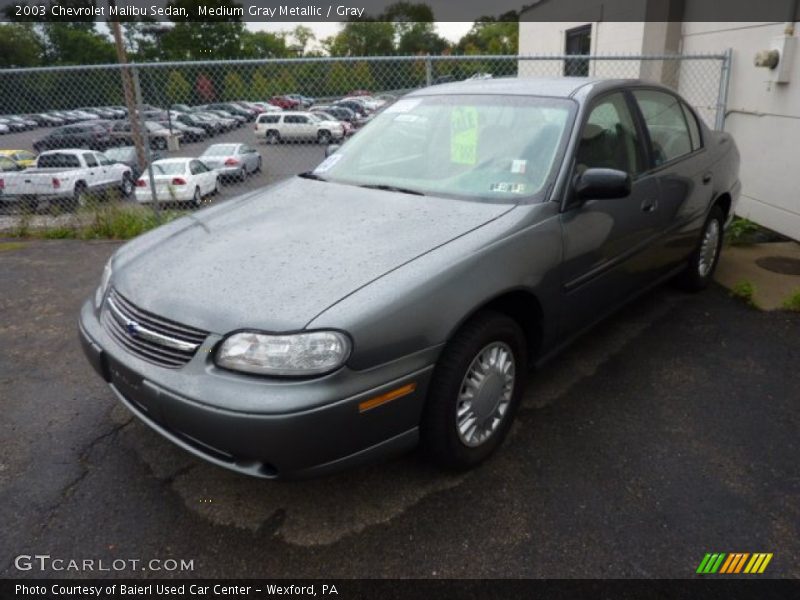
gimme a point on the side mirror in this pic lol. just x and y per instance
(602, 184)
(331, 149)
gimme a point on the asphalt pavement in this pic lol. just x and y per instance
(667, 432)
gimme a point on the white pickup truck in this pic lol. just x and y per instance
(67, 178)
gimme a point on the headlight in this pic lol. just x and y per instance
(295, 354)
(100, 294)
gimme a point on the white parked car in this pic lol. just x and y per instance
(371, 104)
(297, 126)
(178, 180)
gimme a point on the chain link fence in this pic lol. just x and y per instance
(239, 118)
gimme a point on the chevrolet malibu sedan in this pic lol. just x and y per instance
(401, 293)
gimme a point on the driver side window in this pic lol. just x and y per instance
(609, 139)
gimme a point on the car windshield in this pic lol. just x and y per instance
(169, 168)
(220, 150)
(481, 147)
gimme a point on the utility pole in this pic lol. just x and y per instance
(130, 95)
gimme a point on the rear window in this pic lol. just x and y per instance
(59, 161)
(170, 168)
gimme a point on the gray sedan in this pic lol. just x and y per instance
(402, 292)
(232, 161)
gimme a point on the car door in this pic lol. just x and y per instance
(94, 174)
(203, 176)
(111, 175)
(681, 166)
(607, 243)
(249, 156)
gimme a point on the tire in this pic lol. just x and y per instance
(471, 350)
(126, 186)
(258, 165)
(273, 137)
(197, 199)
(242, 174)
(324, 137)
(160, 143)
(703, 262)
(80, 197)
(216, 186)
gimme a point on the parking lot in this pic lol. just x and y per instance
(280, 161)
(668, 432)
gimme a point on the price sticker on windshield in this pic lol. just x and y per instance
(326, 164)
(464, 135)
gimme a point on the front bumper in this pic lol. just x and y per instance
(265, 427)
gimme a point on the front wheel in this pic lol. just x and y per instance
(703, 261)
(324, 137)
(475, 390)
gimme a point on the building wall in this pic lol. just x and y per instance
(763, 118)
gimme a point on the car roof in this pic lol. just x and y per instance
(222, 144)
(554, 87)
(177, 159)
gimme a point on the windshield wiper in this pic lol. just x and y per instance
(312, 175)
(391, 188)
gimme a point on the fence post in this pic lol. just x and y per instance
(145, 140)
(724, 84)
(428, 71)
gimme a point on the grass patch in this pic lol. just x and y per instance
(123, 222)
(8, 246)
(117, 221)
(744, 290)
(792, 302)
(740, 232)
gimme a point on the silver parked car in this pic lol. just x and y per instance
(401, 291)
(232, 161)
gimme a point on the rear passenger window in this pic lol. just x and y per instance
(91, 161)
(669, 133)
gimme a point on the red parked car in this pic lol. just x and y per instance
(284, 102)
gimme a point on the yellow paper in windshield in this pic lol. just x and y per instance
(464, 135)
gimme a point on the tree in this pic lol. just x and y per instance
(259, 87)
(366, 37)
(302, 36)
(20, 46)
(234, 87)
(492, 36)
(178, 89)
(213, 37)
(77, 44)
(263, 44)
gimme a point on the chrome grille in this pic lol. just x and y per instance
(152, 338)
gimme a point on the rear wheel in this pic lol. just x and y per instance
(80, 197)
(197, 199)
(475, 391)
(703, 261)
(324, 137)
(258, 166)
(160, 143)
(273, 137)
(126, 186)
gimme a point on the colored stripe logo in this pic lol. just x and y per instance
(734, 563)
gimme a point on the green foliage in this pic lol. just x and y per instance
(20, 46)
(744, 290)
(740, 231)
(793, 302)
(9, 246)
(263, 44)
(234, 88)
(178, 89)
(259, 87)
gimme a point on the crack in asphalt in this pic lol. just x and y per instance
(83, 459)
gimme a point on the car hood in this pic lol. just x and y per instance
(275, 259)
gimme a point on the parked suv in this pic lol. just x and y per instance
(297, 126)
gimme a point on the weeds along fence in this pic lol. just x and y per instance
(154, 87)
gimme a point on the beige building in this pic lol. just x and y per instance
(762, 104)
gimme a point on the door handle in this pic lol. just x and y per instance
(649, 205)
(706, 178)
